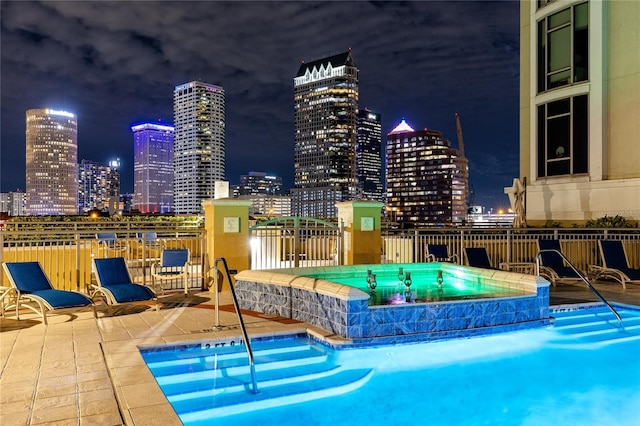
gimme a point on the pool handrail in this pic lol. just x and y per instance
(247, 343)
(586, 281)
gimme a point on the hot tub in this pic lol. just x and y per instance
(468, 301)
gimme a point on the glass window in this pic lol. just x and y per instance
(563, 137)
(563, 48)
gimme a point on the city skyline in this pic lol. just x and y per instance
(115, 67)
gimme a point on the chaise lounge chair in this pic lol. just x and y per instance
(552, 265)
(116, 286)
(440, 253)
(34, 291)
(174, 263)
(477, 257)
(615, 264)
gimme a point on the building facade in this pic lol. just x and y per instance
(199, 144)
(326, 117)
(153, 168)
(98, 186)
(259, 183)
(51, 162)
(579, 110)
(425, 179)
(369, 156)
(13, 203)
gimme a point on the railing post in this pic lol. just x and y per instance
(461, 247)
(416, 247)
(296, 242)
(509, 246)
(76, 237)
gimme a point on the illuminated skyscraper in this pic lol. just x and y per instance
(51, 166)
(199, 147)
(153, 168)
(326, 115)
(259, 183)
(98, 186)
(425, 180)
(369, 158)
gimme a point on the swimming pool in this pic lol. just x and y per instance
(582, 370)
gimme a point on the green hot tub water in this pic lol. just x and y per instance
(391, 288)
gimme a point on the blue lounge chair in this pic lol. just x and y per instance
(115, 284)
(552, 266)
(34, 291)
(440, 253)
(174, 263)
(615, 263)
(477, 257)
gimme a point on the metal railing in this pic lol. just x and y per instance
(580, 245)
(65, 250)
(582, 277)
(245, 336)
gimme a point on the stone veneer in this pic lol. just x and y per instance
(344, 310)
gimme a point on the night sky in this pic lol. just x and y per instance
(116, 64)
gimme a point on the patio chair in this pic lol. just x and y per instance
(115, 285)
(477, 257)
(33, 290)
(552, 265)
(440, 253)
(615, 264)
(174, 263)
(110, 246)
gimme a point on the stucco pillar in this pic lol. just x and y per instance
(226, 221)
(362, 238)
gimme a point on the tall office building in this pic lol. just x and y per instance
(425, 179)
(52, 162)
(153, 168)
(198, 148)
(13, 203)
(259, 183)
(369, 157)
(326, 115)
(98, 186)
(579, 110)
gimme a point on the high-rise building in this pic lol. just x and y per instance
(369, 157)
(13, 203)
(52, 162)
(259, 183)
(425, 180)
(579, 110)
(153, 168)
(98, 185)
(199, 147)
(326, 116)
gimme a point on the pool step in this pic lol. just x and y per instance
(201, 381)
(212, 368)
(236, 402)
(598, 325)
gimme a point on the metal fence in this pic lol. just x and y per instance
(65, 249)
(295, 241)
(579, 245)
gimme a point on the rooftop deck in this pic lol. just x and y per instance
(79, 371)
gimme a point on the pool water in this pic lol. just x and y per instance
(583, 370)
(389, 285)
(425, 288)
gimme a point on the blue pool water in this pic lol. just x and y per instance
(583, 370)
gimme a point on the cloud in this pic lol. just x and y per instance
(117, 62)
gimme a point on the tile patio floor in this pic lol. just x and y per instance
(79, 371)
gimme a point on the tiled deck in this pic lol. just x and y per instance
(78, 371)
